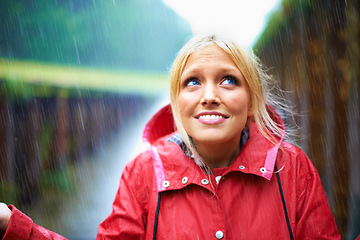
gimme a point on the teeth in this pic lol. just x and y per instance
(211, 117)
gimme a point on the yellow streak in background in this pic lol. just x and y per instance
(86, 78)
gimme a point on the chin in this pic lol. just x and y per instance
(211, 140)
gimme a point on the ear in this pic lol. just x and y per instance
(250, 112)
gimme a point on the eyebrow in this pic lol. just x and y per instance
(221, 70)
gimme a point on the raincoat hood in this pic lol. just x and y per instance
(160, 125)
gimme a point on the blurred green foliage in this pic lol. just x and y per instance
(282, 17)
(8, 192)
(22, 80)
(61, 180)
(134, 34)
(45, 141)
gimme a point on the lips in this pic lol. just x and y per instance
(211, 118)
(211, 115)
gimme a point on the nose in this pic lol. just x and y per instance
(210, 96)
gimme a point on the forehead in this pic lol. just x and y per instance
(209, 53)
(210, 57)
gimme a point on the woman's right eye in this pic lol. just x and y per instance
(191, 82)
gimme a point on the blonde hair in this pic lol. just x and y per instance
(258, 80)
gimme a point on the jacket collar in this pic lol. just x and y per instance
(174, 170)
(176, 138)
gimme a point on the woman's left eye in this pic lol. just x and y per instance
(229, 80)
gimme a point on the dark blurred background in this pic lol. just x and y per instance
(79, 79)
(312, 47)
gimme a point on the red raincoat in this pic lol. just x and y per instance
(241, 201)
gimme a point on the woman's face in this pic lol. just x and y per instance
(214, 98)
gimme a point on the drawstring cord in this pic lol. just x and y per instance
(156, 216)
(283, 203)
(282, 200)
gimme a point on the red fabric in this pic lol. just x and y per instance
(244, 205)
(21, 227)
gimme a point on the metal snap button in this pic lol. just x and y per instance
(263, 170)
(205, 181)
(184, 180)
(219, 234)
(166, 184)
(241, 167)
(217, 179)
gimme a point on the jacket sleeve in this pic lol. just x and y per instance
(128, 217)
(314, 217)
(21, 227)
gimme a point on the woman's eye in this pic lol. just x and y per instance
(191, 82)
(228, 80)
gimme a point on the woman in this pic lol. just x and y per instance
(225, 173)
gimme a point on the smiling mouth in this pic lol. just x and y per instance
(210, 117)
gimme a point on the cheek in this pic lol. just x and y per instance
(186, 111)
(239, 102)
(182, 105)
(186, 102)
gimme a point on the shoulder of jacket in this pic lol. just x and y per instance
(296, 153)
(292, 149)
(300, 161)
(142, 162)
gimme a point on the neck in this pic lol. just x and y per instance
(218, 155)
